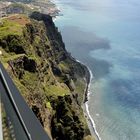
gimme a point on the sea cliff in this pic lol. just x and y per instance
(52, 82)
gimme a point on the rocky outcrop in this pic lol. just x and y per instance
(50, 80)
(65, 123)
(12, 43)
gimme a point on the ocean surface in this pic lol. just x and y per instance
(105, 35)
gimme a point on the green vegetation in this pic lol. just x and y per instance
(51, 82)
(12, 25)
(9, 28)
(57, 90)
(64, 67)
(48, 105)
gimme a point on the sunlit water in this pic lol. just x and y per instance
(105, 35)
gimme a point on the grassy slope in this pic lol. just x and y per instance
(43, 86)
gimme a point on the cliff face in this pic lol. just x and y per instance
(50, 80)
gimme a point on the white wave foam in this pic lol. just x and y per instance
(97, 115)
(86, 104)
(56, 18)
(92, 121)
(87, 107)
(91, 78)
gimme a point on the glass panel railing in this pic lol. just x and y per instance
(17, 121)
(11, 126)
(1, 123)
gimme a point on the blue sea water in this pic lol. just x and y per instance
(105, 35)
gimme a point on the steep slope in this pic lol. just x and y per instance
(50, 80)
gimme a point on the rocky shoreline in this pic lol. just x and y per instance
(88, 78)
(90, 121)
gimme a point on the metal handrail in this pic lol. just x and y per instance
(14, 105)
(1, 130)
(29, 126)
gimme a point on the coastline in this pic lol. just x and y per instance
(85, 107)
(90, 121)
(88, 79)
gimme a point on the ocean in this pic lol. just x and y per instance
(105, 35)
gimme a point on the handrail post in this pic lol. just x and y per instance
(1, 130)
